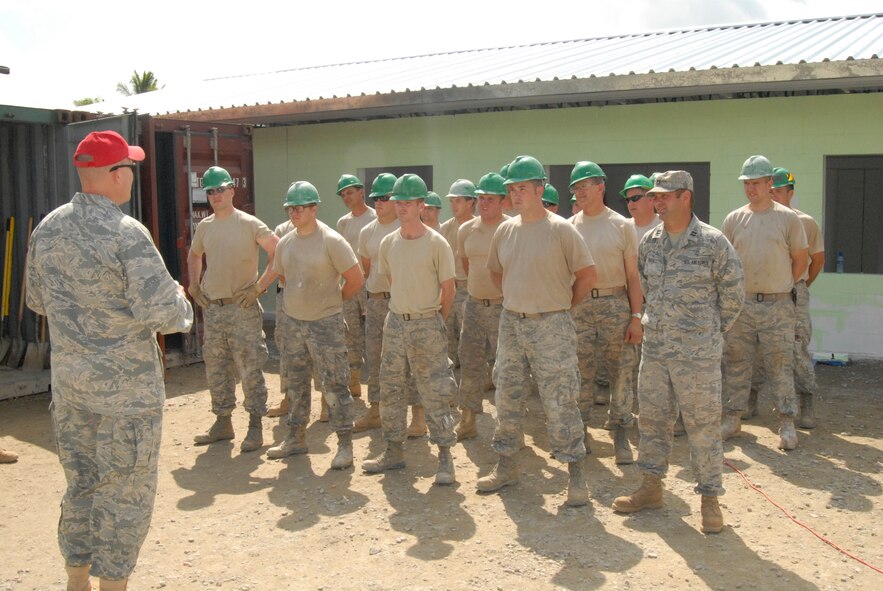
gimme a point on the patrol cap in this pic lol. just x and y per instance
(671, 181)
(103, 148)
(756, 167)
(782, 177)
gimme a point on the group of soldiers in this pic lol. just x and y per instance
(513, 294)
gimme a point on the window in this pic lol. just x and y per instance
(854, 213)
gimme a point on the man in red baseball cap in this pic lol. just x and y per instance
(95, 273)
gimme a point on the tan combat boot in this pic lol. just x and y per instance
(418, 427)
(355, 382)
(622, 449)
(293, 444)
(648, 496)
(445, 474)
(281, 410)
(112, 584)
(751, 411)
(344, 457)
(254, 438)
(807, 419)
(369, 420)
(78, 578)
(577, 489)
(324, 412)
(787, 434)
(712, 518)
(730, 425)
(506, 472)
(221, 430)
(392, 458)
(467, 429)
(8, 457)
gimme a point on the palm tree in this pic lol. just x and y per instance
(138, 83)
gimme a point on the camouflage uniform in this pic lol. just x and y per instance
(804, 372)
(375, 321)
(454, 321)
(355, 308)
(96, 275)
(694, 293)
(478, 342)
(280, 231)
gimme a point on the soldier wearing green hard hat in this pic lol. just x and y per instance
(431, 211)
(461, 197)
(420, 265)
(550, 198)
(644, 217)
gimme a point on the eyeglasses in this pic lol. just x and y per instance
(131, 166)
(218, 191)
(381, 198)
(300, 208)
(548, 204)
(635, 198)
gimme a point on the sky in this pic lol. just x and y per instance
(59, 51)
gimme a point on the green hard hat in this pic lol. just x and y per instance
(462, 188)
(408, 188)
(348, 180)
(756, 167)
(301, 193)
(782, 177)
(550, 194)
(585, 170)
(637, 181)
(383, 184)
(216, 177)
(504, 171)
(432, 200)
(524, 168)
(491, 184)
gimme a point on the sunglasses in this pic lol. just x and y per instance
(130, 166)
(548, 204)
(635, 198)
(218, 191)
(300, 208)
(381, 198)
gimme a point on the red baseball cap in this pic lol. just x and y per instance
(103, 148)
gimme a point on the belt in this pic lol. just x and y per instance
(417, 316)
(767, 297)
(222, 302)
(603, 293)
(487, 303)
(383, 295)
(460, 282)
(534, 315)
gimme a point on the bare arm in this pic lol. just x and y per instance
(799, 261)
(634, 333)
(584, 281)
(268, 243)
(352, 282)
(497, 278)
(194, 267)
(366, 266)
(465, 264)
(448, 290)
(816, 262)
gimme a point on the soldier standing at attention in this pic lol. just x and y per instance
(352, 191)
(419, 265)
(282, 409)
(228, 293)
(543, 268)
(96, 275)
(771, 244)
(693, 283)
(431, 210)
(550, 198)
(461, 196)
(311, 260)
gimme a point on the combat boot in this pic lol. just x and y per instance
(712, 518)
(324, 412)
(587, 440)
(392, 458)
(577, 489)
(279, 411)
(787, 434)
(417, 428)
(467, 429)
(504, 473)
(293, 444)
(8, 457)
(807, 419)
(622, 450)
(254, 439)
(752, 406)
(445, 473)
(355, 382)
(221, 430)
(344, 457)
(648, 496)
(730, 425)
(78, 578)
(112, 584)
(369, 420)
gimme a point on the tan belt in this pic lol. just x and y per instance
(382, 295)
(460, 283)
(222, 302)
(534, 315)
(767, 297)
(603, 293)
(487, 303)
(417, 316)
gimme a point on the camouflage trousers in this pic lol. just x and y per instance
(235, 346)
(763, 331)
(110, 464)
(804, 372)
(281, 319)
(693, 388)
(546, 347)
(318, 345)
(454, 324)
(374, 323)
(354, 310)
(600, 329)
(420, 344)
(478, 342)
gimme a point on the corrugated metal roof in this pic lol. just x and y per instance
(766, 44)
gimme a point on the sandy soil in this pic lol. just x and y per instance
(232, 521)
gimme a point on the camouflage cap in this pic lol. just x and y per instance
(671, 181)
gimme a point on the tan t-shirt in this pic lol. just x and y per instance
(231, 252)
(537, 260)
(474, 242)
(449, 230)
(417, 267)
(641, 231)
(280, 231)
(611, 240)
(813, 237)
(350, 226)
(369, 247)
(312, 266)
(764, 241)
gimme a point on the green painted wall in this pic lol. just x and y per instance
(796, 132)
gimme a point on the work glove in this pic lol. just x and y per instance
(247, 296)
(196, 293)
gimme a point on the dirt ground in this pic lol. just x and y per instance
(231, 521)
